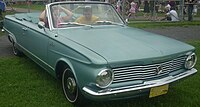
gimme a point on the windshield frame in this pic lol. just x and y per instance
(49, 15)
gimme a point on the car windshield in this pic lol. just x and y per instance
(72, 14)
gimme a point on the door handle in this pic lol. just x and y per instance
(25, 29)
(51, 44)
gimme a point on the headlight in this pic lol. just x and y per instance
(191, 61)
(104, 78)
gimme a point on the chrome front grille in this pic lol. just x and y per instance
(125, 74)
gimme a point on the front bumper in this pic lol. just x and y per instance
(134, 90)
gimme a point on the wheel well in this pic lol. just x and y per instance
(11, 38)
(60, 68)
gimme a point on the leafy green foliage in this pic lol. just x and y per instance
(31, 6)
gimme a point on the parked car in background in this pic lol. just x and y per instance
(101, 59)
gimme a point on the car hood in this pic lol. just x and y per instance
(117, 44)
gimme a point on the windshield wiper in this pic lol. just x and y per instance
(107, 23)
(74, 24)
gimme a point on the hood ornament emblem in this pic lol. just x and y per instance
(159, 69)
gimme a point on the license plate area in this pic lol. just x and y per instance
(157, 91)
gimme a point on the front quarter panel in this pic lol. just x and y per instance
(84, 63)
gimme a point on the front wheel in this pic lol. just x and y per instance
(70, 87)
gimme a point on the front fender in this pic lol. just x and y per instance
(68, 63)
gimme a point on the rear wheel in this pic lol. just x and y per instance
(9, 38)
(16, 51)
(70, 88)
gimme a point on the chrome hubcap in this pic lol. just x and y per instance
(71, 85)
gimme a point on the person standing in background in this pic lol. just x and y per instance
(190, 4)
(132, 10)
(146, 8)
(118, 6)
(153, 9)
(2, 8)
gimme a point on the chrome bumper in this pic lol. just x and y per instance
(145, 85)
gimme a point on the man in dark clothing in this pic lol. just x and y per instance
(190, 4)
(2, 7)
(172, 3)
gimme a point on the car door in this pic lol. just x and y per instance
(35, 42)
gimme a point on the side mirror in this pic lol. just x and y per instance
(41, 24)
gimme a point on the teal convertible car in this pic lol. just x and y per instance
(96, 55)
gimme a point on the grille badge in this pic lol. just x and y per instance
(159, 69)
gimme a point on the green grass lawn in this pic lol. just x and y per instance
(23, 83)
(163, 24)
